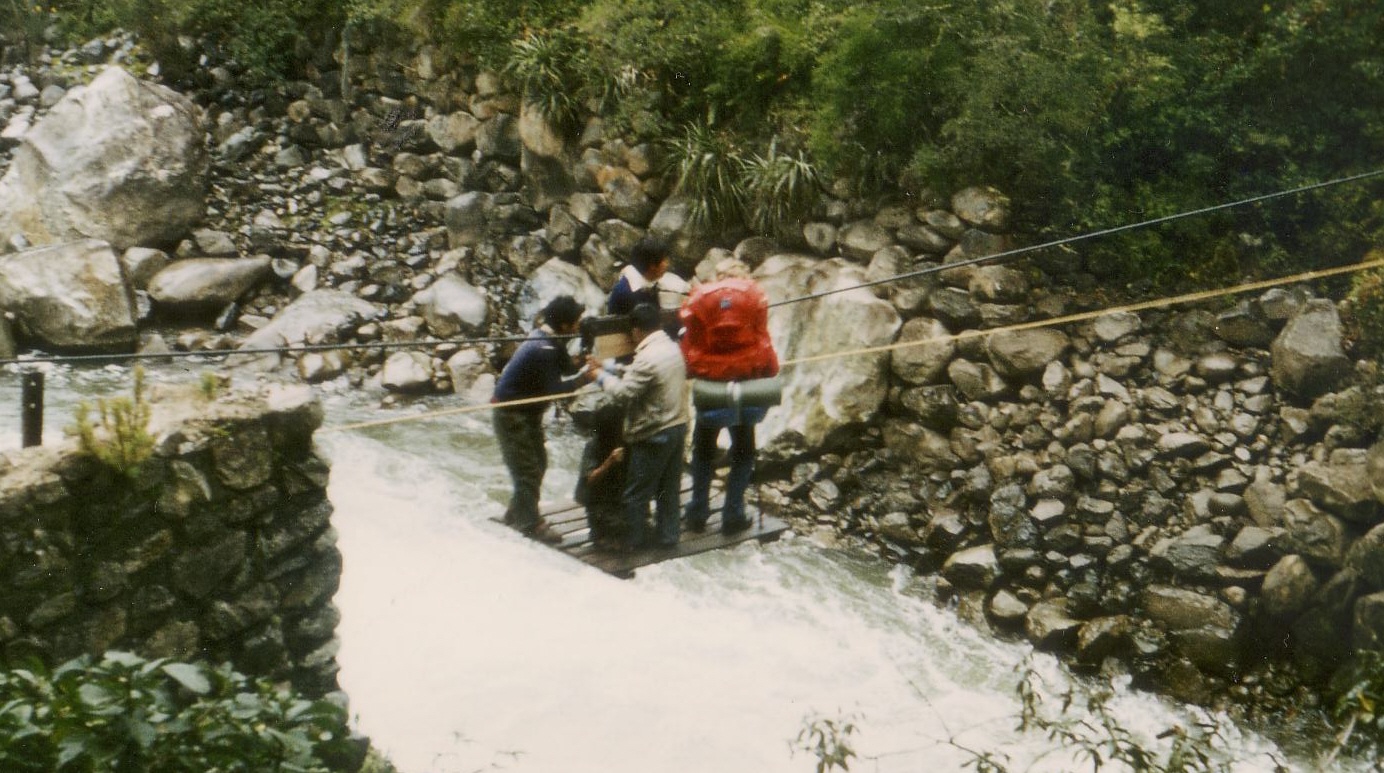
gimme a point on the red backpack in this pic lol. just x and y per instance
(726, 335)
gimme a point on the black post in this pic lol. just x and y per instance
(31, 395)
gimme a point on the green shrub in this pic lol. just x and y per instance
(708, 171)
(780, 191)
(1365, 322)
(123, 712)
(550, 67)
(121, 439)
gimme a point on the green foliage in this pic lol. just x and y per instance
(212, 385)
(829, 740)
(551, 69)
(121, 439)
(780, 191)
(706, 166)
(1365, 318)
(123, 712)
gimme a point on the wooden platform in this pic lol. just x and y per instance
(569, 520)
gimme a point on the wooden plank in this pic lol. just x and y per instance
(569, 520)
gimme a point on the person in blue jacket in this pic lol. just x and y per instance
(638, 282)
(540, 367)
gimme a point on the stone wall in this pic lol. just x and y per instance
(220, 548)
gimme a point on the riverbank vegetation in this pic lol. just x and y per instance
(1089, 115)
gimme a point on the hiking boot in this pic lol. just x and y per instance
(545, 534)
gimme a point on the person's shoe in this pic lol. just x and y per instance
(735, 527)
(694, 525)
(545, 534)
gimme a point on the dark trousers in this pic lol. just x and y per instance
(520, 435)
(655, 473)
(742, 455)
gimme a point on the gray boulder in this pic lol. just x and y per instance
(1374, 468)
(1050, 626)
(1369, 622)
(983, 207)
(319, 316)
(119, 159)
(922, 363)
(453, 306)
(1342, 486)
(1025, 353)
(1308, 359)
(926, 448)
(822, 396)
(558, 277)
(1315, 535)
(1194, 554)
(207, 284)
(141, 264)
(860, 240)
(407, 372)
(69, 296)
(973, 568)
(1288, 587)
(1203, 629)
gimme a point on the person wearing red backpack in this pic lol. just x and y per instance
(726, 338)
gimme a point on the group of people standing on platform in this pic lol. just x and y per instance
(638, 429)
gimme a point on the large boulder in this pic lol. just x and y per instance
(319, 316)
(451, 305)
(1202, 628)
(1308, 359)
(820, 397)
(207, 284)
(983, 207)
(69, 296)
(119, 159)
(558, 277)
(1341, 486)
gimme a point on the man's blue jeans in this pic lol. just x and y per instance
(742, 454)
(655, 474)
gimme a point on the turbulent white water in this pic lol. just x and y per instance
(466, 647)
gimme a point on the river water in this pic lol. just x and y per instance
(468, 648)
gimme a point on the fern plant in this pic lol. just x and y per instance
(120, 437)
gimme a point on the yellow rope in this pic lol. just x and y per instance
(1158, 303)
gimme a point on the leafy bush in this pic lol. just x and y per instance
(121, 440)
(707, 169)
(780, 191)
(1365, 319)
(550, 67)
(829, 740)
(123, 712)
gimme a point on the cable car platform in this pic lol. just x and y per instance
(569, 520)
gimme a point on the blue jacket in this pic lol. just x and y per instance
(541, 366)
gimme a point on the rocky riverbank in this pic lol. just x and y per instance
(1193, 493)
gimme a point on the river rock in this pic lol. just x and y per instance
(320, 316)
(69, 296)
(1203, 629)
(1288, 587)
(141, 264)
(497, 138)
(1255, 547)
(625, 196)
(1315, 535)
(860, 240)
(1374, 468)
(822, 397)
(558, 277)
(820, 237)
(315, 367)
(922, 363)
(1193, 554)
(1308, 360)
(998, 284)
(1025, 353)
(453, 132)
(1050, 626)
(452, 306)
(1102, 637)
(1244, 328)
(934, 406)
(407, 372)
(465, 217)
(973, 568)
(207, 284)
(983, 207)
(928, 449)
(1182, 445)
(976, 380)
(119, 159)
(1342, 486)
(1265, 499)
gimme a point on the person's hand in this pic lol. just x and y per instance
(617, 456)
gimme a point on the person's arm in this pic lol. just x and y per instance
(638, 378)
(616, 456)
